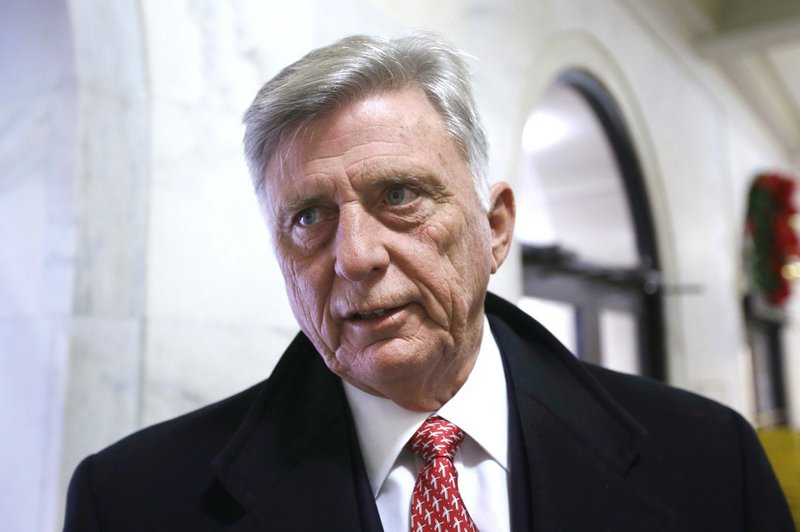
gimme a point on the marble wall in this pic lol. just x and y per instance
(143, 284)
(104, 377)
(38, 141)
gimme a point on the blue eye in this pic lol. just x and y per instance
(308, 217)
(396, 195)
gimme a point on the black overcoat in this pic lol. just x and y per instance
(590, 450)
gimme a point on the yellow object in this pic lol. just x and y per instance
(783, 449)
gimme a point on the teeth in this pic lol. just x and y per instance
(369, 315)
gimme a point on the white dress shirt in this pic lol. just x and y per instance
(479, 408)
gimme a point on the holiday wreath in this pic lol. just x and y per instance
(774, 244)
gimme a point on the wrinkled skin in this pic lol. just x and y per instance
(384, 247)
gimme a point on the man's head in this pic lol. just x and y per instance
(366, 162)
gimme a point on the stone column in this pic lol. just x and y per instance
(103, 384)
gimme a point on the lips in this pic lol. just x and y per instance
(372, 315)
(369, 315)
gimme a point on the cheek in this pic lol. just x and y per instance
(309, 295)
(305, 290)
(457, 268)
(465, 241)
(468, 252)
(439, 236)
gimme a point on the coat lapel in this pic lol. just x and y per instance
(294, 464)
(579, 447)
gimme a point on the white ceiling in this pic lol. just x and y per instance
(756, 43)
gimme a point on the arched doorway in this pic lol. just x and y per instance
(590, 259)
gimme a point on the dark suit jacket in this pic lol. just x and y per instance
(590, 450)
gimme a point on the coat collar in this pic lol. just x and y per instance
(580, 447)
(294, 463)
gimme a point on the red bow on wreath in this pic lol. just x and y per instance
(770, 214)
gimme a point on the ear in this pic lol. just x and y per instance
(501, 215)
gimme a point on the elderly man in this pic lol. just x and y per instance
(412, 399)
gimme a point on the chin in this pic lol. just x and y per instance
(395, 362)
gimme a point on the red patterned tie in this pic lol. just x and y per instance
(436, 504)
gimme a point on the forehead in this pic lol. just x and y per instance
(386, 128)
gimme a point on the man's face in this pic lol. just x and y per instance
(384, 247)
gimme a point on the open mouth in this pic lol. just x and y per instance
(374, 314)
(370, 315)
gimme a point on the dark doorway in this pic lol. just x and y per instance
(590, 259)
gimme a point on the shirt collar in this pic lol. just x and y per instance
(479, 408)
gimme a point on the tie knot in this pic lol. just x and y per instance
(436, 438)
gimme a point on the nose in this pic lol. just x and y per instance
(359, 246)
